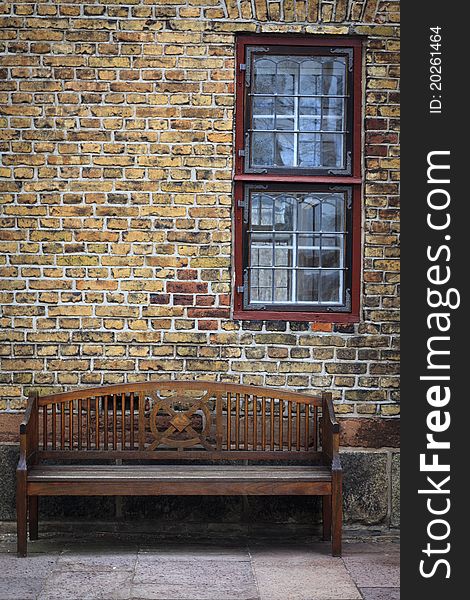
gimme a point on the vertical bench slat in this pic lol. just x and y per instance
(307, 418)
(97, 423)
(271, 436)
(255, 422)
(62, 425)
(123, 421)
(54, 426)
(88, 424)
(297, 425)
(131, 411)
(105, 422)
(237, 421)
(263, 423)
(71, 424)
(315, 428)
(79, 424)
(289, 425)
(247, 406)
(141, 421)
(114, 422)
(229, 421)
(44, 428)
(218, 421)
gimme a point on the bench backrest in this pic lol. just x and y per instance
(179, 420)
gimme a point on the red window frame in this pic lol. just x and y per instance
(241, 178)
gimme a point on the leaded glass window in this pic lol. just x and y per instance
(297, 248)
(298, 112)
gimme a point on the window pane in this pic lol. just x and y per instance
(302, 95)
(261, 251)
(284, 150)
(297, 247)
(282, 285)
(330, 286)
(307, 286)
(261, 285)
(263, 113)
(263, 149)
(284, 213)
(264, 75)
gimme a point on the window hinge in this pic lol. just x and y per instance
(240, 289)
(242, 66)
(241, 152)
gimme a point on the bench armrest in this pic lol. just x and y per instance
(330, 433)
(29, 433)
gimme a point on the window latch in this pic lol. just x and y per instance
(241, 152)
(240, 289)
(241, 204)
(242, 66)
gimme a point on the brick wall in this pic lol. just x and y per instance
(116, 230)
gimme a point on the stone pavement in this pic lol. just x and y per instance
(115, 568)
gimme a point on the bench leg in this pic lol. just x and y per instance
(326, 504)
(33, 517)
(337, 512)
(21, 514)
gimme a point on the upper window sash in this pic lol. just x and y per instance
(298, 110)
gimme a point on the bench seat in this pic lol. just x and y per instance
(189, 479)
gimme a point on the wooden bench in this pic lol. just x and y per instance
(275, 442)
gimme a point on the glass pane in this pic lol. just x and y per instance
(309, 257)
(332, 114)
(332, 150)
(330, 258)
(331, 286)
(261, 251)
(266, 218)
(307, 285)
(309, 150)
(285, 113)
(284, 149)
(333, 213)
(335, 241)
(284, 213)
(309, 214)
(263, 149)
(264, 75)
(263, 112)
(310, 76)
(310, 112)
(287, 76)
(334, 76)
(282, 285)
(261, 285)
(283, 251)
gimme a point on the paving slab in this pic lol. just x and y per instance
(313, 578)
(159, 578)
(20, 588)
(374, 569)
(87, 585)
(380, 593)
(37, 565)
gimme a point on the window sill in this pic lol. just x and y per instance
(311, 317)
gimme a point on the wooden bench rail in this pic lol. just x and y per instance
(184, 421)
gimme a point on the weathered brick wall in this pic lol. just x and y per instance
(116, 230)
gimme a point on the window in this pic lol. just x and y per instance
(297, 179)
